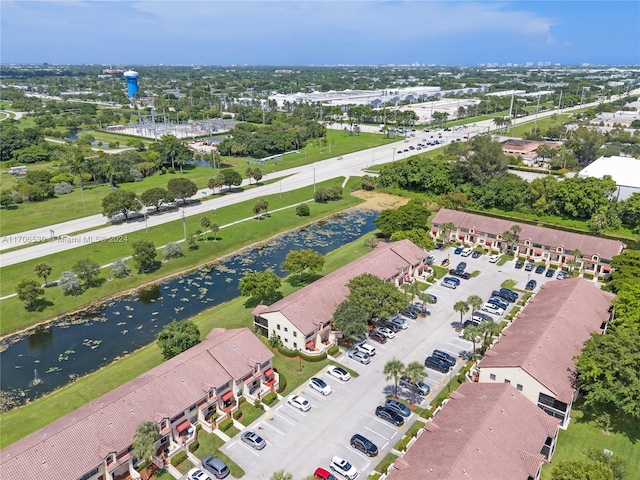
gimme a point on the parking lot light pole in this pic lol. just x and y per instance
(144, 212)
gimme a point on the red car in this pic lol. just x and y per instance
(322, 474)
(378, 337)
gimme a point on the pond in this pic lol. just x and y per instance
(58, 353)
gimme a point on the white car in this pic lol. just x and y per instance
(387, 332)
(493, 309)
(494, 258)
(339, 372)
(320, 385)
(299, 402)
(197, 474)
(359, 356)
(344, 468)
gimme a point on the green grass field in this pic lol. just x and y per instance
(233, 314)
(16, 317)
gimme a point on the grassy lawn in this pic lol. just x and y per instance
(210, 445)
(583, 434)
(386, 462)
(185, 466)
(503, 259)
(475, 273)
(508, 284)
(16, 317)
(439, 271)
(249, 413)
(233, 314)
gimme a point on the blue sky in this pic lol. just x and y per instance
(319, 32)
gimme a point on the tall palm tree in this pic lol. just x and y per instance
(43, 270)
(281, 475)
(473, 333)
(475, 302)
(489, 330)
(214, 229)
(205, 223)
(415, 371)
(393, 369)
(446, 228)
(462, 307)
(144, 445)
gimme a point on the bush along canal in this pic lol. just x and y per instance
(53, 355)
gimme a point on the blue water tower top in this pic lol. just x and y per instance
(131, 74)
(132, 83)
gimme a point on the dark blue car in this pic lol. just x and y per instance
(458, 250)
(531, 285)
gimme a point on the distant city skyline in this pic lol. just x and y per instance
(320, 33)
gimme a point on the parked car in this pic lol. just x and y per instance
(460, 273)
(215, 466)
(466, 252)
(561, 275)
(499, 302)
(253, 440)
(363, 444)
(322, 474)
(461, 266)
(445, 263)
(339, 158)
(494, 258)
(398, 407)
(339, 372)
(550, 273)
(508, 294)
(432, 298)
(446, 282)
(344, 468)
(320, 385)
(407, 312)
(390, 416)
(452, 280)
(419, 386)
(491, 308)
(531, 285)
(519, 264)
(458, 250)
(444, 356)
(540, 269)
(481, 317)
(359, 356)
(366, 348)
(299, 402)
(197, 474)
(430, 259)
(476, 254)
(386, 331)
(436, 364)
(529, 267)
(378, 337)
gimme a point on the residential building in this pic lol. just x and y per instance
(535, 243)
(95, 441)
(525, 149)
(303, 319)
(484, 431)
(625, 171)
(536, 352)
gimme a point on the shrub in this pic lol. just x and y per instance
(302, 210)
(226, 424)
(69, 283)
(172, 250)
(313, 358)
(282, 385)
(120, 269)
(62, 188)
(63, 177)
(178, 458)
(271, 397)
(368, 182)
(198, 427)
(237, 414)
(333, 350)
(402, 444)
(587, 275)
(287, 352)
(194, 446)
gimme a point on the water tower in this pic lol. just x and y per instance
(132, 83)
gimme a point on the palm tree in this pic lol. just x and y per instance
(498, 122)
(415, 371)
(281, 475)
(475, 302)
(205, 223)
(446, 228)
(257, 208)
(473, 333)
(144, 445)
(393, 369)
(462, 307)
(577, 259)
(214, 229)
(411, 289)
(249, 173)
(43, 270)
(489, 330)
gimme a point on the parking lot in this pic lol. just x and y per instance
(299, 442)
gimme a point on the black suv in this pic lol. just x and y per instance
(519, 264)
(460, 273)
(444, 356)
(436, 364)
(363, 444)
(391, 416)
(509, 294)
(461, 266)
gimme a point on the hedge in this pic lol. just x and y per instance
(333, 350)
(194, 446)
(402, 444)
(313, 358)
(225, 424)
(178, 458)
(287, 352)
(237, 414)
(271, 397)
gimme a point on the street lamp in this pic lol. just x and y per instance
(144, 212)
(394, 154)
(314, 180)
(184, 225)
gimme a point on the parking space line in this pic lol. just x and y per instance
(379, 434)
(291, 407)
(353, 450)
(250, 449)
(276, 429)
(283, 418)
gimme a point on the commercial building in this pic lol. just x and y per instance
(625, 171)
(484, 431)
(536, 352)
(535, 243)
(525, 149)
(303, 319)
(95, 441)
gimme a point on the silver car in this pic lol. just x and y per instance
(359, 356)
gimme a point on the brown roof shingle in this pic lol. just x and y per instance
(550, 331)
(569, 241)
(316, 303)
(489, 431)
(78, 442)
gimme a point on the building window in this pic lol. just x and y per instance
(286, 329)
(492, 377)
(295, 345)
(519, 387)
(295, 334)
(506, 380)
(286, 340)
(278, 326)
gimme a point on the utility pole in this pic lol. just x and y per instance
(510, 110)
(184, 224)
(394, 154)
(560, 103)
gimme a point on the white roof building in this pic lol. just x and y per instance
(624, 170)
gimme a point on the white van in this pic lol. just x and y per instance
(366, 348)
(466, 252)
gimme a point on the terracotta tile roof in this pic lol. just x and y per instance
(587, 244)
(79, 441)
(550, 331)
(238, 351)
(316, 303)
(490, 431)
